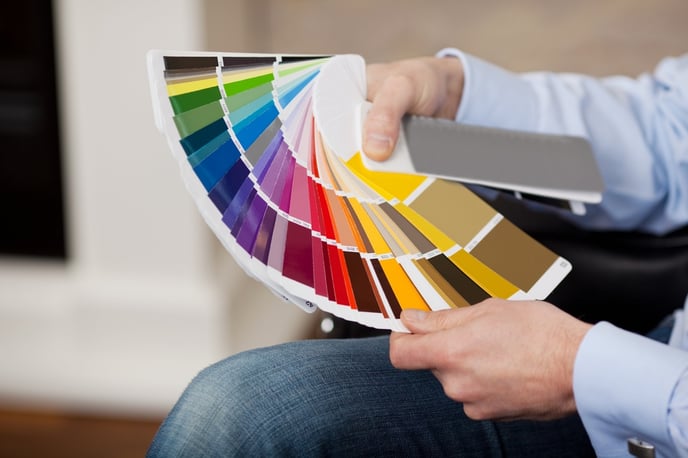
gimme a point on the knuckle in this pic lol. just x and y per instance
(440, 320)
(399, 82)
(455, 387)
(395, 354)
(453, 391)
(445, 319)
(475, 411)
(401, 78)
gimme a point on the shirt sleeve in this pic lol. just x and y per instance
(638, 130)
(626, 385)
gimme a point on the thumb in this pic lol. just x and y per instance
(380, 133)
(391, 99)
(422, 322)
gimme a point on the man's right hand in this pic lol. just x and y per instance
(425, 86)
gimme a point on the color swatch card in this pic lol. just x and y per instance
(269, 148)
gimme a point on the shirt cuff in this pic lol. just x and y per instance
(623, 384)
(494, 97)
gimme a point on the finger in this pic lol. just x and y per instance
(413, 351)
(421, 322)
(392, 98)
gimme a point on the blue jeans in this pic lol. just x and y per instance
(341, 398)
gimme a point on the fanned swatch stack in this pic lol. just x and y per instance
(269, 148)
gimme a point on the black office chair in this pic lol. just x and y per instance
(630, 279)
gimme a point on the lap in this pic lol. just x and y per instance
(341, 397)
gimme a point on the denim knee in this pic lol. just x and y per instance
(216, 415)
(253, 403)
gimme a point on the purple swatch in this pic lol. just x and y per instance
(261, 246)
(246, 236)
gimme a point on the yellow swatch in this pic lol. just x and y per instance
(388, 184)
(406, 293)
(191, 86)
(486, 278)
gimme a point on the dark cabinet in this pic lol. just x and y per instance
(31, 174)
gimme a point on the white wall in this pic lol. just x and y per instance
(145, 299)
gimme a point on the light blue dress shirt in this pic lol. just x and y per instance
(625, 385)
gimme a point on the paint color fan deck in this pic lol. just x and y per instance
(269, 148)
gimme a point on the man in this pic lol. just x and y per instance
(568, 388)
(639, 129)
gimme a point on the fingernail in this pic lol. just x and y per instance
(377, 145)
(415, 315)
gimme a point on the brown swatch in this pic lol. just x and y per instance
(416, 237)
(515, 255)
(440, 284)
(366, 300)
(462, 218)
(387, 288)
(459, 280)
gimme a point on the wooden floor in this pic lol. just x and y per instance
(56, 435)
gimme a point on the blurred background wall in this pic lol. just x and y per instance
(597, 37)
(145, 296)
